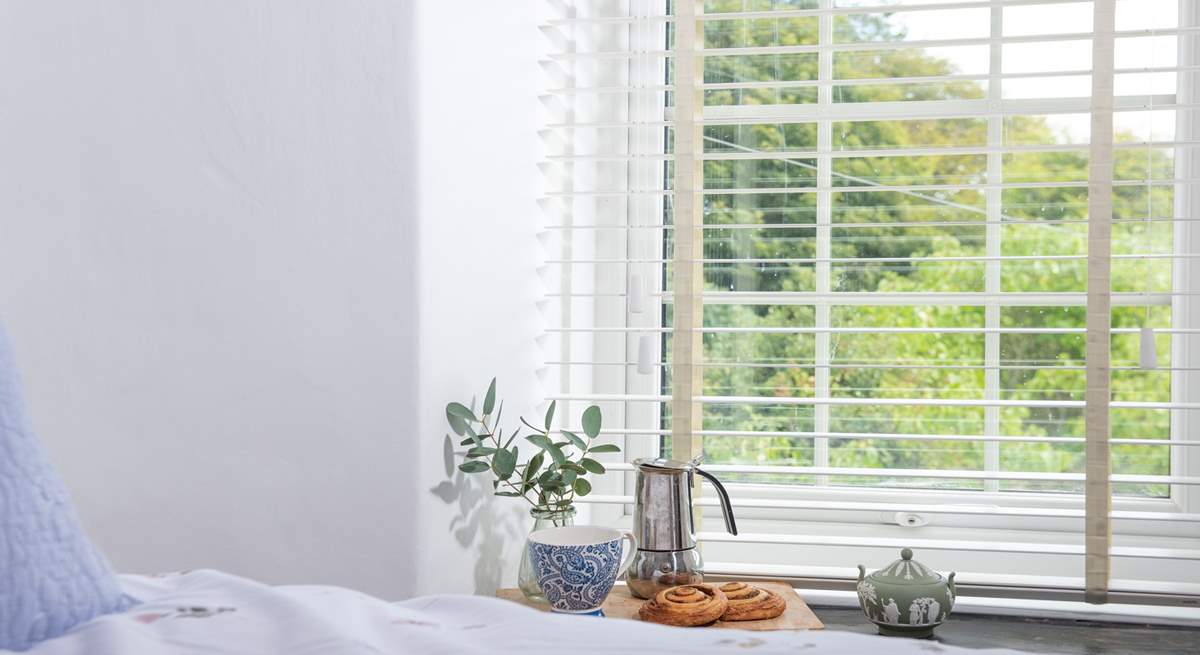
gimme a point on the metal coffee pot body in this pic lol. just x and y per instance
(663, 524)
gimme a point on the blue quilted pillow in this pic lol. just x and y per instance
(51, 577)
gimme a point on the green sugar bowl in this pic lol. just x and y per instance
(905, 599)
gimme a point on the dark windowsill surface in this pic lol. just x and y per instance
(1038, 635)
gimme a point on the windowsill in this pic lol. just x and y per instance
(1006, 558)
(875, 545)
(1045, 609)
(1035, 634)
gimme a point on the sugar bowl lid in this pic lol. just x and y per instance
(906, 571)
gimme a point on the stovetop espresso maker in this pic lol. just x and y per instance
(663, 524)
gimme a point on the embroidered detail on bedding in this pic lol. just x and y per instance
(182, 613)
(167, 574)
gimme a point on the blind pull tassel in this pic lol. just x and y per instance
(1147, 355)
(637, 296)
(645, 346)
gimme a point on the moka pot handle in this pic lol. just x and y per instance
(726, 507)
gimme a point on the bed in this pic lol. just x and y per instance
(59, 596)
(216, 613)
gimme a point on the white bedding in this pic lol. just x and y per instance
(216, 613)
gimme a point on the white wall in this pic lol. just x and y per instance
(478, 150)
(208, 251)
(211, 220)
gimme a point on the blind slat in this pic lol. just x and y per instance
(739, 502)
(860, 46)
(874, 330)
(892, 110)
(916, 151)
(651, 432)
(946, 544)
(864, 81)
(943, 474)
(807, 13)
(1009, 299)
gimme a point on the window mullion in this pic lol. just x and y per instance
(995, 205)
(1185, 310)
(822, 350)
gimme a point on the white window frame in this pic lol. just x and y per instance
(1185, 314)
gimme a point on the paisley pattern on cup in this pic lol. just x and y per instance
(576, 578)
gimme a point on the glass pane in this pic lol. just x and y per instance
(784, 224)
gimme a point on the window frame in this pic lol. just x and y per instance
(1185, 314)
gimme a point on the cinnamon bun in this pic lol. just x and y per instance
(750, 603)
(685, 605)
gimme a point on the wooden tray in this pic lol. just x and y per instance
(622, 605)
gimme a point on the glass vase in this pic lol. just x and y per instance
(542, 519)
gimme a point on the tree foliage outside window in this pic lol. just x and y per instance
(1044, 221)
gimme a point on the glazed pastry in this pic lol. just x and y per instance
(686, 605)
(750, 603)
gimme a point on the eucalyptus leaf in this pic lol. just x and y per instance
(591, 421)
(508, 494)
(573, 467)
(550, 414)
(480, 451)
(582, 487)
(475, 438)
(540, 441)
(533, 465)
(592, 466)
(504, 463)
(461, 410)
(557, 455)
(456, 423)
(474, 466)
(489, 400)
(569, 476)
(575, 440)
(467, 442)
(606, 448)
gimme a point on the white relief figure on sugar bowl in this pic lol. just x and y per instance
(905, 598)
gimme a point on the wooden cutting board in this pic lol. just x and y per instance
(622, 605)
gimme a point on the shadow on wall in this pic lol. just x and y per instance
(478, 525)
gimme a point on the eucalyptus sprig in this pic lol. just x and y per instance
(553, 476)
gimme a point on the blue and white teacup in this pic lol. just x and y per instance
(577, 566)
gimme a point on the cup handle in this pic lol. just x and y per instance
(626, 535)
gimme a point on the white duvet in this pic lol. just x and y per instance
(215, 613)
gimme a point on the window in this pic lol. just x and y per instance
(840, 250)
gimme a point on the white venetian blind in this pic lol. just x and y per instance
(856, 255)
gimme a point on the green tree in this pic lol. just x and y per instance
(1044, 221)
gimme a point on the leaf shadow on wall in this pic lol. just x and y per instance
(480, 525)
